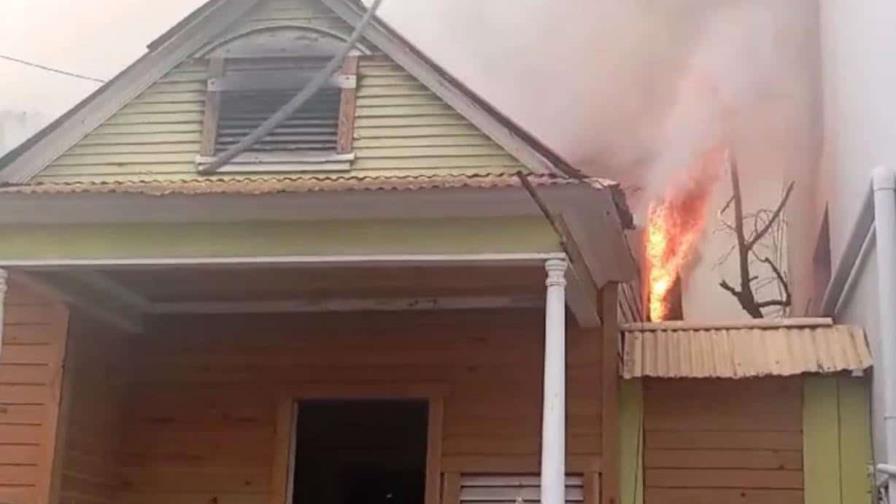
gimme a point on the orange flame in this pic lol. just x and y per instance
(674, 226)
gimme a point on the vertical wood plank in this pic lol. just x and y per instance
(347, 104)
(855, 440)
(53, 435)
(59, 446)
(609, 300)
(451, 488)
(821, 440)
(591, 488)
(284, 447)
(631, 420)
(212, 110)
(434, 429)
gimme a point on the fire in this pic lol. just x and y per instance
(674, 226)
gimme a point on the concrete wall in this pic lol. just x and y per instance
(858, 81)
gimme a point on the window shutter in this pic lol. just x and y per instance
(513, 489)
(312, 128)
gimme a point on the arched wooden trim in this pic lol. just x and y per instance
(274, 26)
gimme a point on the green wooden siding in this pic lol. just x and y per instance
(401, 127)
(631, 438)
(271, 239)
(836, 440)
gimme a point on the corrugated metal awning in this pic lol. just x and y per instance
(741, 350)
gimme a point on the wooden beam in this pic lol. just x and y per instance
(434, 428)
(104, 283)
(212, 109)
(73, 294)
(346, 304)
(610, 449)
(347, 102)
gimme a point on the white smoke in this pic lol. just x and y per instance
(631, 89)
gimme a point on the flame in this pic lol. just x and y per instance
(674, 227)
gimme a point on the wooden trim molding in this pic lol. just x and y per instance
(347, 102)
(609, 334)
(211, 113)
(287, 412)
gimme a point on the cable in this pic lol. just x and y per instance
(298, 100)
(51, 69)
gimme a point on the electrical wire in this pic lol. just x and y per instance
(50, 69)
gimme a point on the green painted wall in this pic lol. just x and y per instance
(631, 438)
(401, 127)
(443, 236)
(836, 440)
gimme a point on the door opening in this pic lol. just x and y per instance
(360, 452)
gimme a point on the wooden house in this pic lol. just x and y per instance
(396, 295)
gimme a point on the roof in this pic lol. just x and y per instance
(305, 184)
(742, 350)
(20, 164)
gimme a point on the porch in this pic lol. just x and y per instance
(184, 382)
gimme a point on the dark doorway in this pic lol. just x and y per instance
(360, 452)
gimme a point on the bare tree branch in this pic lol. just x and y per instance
(763, 221)
(774, 217)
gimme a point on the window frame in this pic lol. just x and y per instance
(282, 161)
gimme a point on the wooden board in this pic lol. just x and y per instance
(30, 386)
(202, 411)
(711, 441)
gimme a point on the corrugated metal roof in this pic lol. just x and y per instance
(742, 350)
(298, 184)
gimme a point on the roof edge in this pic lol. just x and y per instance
(679, 325)
(41, 149)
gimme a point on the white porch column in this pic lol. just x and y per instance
(553, 419)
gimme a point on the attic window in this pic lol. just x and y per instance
(247, 86)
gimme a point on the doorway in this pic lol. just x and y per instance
(360, 452)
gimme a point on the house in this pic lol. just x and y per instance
(394, 295)
(850, 229)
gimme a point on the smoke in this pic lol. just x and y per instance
(633, 90)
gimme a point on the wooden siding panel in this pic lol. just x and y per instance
(202, 411)
(723, 441)
(400, 128)
(30, 379)
(93, 413)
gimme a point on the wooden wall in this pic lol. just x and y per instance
(715, 441)
(95, 380)
(200, 415)
(35, 329)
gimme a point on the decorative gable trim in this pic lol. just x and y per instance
(197, 34)
(109, 99)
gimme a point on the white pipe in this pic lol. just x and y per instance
(884, 185)
(889, 470)
(553, 420)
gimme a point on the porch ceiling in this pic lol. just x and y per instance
(127, 295)
(173, 285)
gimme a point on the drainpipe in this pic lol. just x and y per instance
(884, 186)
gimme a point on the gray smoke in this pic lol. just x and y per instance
(633, 90)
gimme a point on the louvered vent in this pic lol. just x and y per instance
(503, 489)
(313, 128)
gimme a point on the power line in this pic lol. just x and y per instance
(51, 69)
